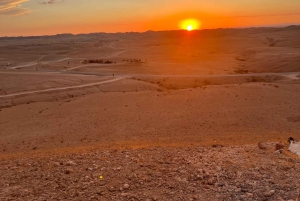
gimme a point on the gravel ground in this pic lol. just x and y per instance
(190, 173)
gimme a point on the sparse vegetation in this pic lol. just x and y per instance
(241, 71)
(253, 79)
(207, 82)
(271, 41)
(239, 58)
(99, 61)
(134, 60)
(266, 78)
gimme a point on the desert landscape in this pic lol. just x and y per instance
(167, 115)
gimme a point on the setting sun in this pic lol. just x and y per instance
(190, 24)
(190, 27)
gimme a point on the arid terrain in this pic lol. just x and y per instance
(170, 115)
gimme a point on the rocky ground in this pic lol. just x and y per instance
(190, 173)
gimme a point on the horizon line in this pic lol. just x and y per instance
(124, 32)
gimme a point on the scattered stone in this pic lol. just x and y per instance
(194, 173)
(280, 199)
(126, 186)
(250, 195)
(280, 151)
(210, 181)
(70, 163)
(279, 146)
(125, 194)
(269, 193)
(262, 145)
(68, 171)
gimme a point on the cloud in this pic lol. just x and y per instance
(13, 7)
(51, 2)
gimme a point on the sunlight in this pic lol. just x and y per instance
(190, 28)
(190, 24)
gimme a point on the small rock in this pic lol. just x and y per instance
(262, 145)
(279, 146)
(250, 195)
(269, 193)
(70, 163)
(14, 168)
(210, 181)
(279, 199)
(68, 171)
(126, 186)
(280, 151)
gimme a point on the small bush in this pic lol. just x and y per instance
(241, 71)
(206, 82)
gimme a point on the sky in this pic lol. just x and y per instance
(48, 17)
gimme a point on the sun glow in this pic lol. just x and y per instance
(190, 24)
(190, 28)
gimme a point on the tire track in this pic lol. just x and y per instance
(64, 88)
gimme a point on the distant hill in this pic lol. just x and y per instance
(212, 32)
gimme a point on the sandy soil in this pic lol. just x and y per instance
(177, 117)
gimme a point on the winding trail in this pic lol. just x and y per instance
(93, 65)
(64, 88)
(35, 63)
(122, 50)
(289, 75)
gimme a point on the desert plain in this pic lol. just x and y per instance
(170, 115)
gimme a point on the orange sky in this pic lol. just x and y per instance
(38, 17)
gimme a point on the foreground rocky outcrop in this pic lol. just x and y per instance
(193, 173)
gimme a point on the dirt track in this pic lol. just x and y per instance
(63, 88)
